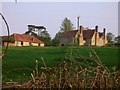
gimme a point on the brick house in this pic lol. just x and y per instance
(84, 37)
(22, 40)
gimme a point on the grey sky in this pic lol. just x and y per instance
(51, 14)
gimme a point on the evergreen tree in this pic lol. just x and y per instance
(66, 25)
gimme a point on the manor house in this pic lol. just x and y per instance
(84, 36)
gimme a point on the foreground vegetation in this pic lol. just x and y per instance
(19, 62)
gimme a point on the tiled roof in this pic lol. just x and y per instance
(88, 34)
(71, 33)
(26, 38)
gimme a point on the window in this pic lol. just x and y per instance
(22, 43)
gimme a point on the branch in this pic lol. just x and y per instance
(8, 34)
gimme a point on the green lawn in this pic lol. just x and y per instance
(19, 59)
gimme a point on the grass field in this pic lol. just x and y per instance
(19, 62)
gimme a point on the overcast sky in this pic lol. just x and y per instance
(51, 15)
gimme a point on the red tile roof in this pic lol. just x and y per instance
(26, 38)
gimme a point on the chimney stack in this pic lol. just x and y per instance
(81, 28)
(104, 31)
(78, 22)
(96, 28)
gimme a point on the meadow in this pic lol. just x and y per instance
(19, 62)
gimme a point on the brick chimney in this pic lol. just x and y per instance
(81, 29)
(104, 31)
(96, 28)
(81, 35)
(96, 32)
(78, 22)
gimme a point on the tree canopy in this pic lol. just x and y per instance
(56, 39)
(39, 32)
(110, 37)
(32, 29)
(117, 39)
(66, 25)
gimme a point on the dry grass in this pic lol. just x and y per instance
(72, 73)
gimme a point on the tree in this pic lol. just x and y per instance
(66, 25)
(39, 29)
(32, 29)
(117, 39)
(45, 34)
(39, 32)
(56, 39)
(45, 37)
(110, 38)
